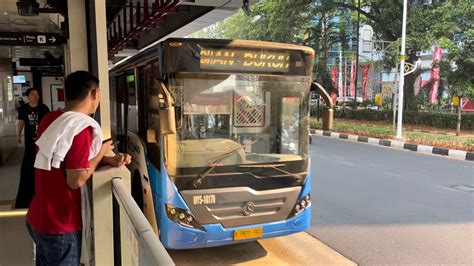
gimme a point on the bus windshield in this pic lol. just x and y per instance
(239, 120)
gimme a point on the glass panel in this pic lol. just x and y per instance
(239, 119)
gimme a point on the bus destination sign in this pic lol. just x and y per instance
(244, 60)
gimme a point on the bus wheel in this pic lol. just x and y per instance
(137, 190)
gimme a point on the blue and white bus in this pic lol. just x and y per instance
(218, 131)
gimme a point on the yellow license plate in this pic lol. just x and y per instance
(248, 233)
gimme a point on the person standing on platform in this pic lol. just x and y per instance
(70, 148)
(29, 118)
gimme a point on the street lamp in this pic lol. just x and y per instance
(402, 73)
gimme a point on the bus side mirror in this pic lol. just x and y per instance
(151, 136)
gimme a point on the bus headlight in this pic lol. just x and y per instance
(183, 217)
(301, 205)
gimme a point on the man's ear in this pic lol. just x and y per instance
(94, 93)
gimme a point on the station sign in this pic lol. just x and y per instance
(39, 62)
(32, 39)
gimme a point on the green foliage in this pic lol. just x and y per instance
(434, 119)
(276, 20)
(368, 102)
(437, 23)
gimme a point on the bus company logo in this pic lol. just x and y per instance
(248, 208)
(204, 199)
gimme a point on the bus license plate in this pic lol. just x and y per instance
(248, 233)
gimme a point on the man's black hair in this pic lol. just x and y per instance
(78, 85)
(28, 91)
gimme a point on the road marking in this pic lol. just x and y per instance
(347, 163)
(353, 137)
(425, 149)
(373, 141)
(397, 144)
(457, 154)
(391, 174)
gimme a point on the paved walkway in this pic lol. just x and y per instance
(9, 180)
(296, 249)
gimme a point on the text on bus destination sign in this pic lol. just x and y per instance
(245, 60)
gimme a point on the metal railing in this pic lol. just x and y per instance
(136, 232)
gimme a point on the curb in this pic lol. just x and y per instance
(456, 154)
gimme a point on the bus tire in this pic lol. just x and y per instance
(137, 190)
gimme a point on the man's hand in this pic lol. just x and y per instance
(18, 139)
(107, 147)
(120, 159)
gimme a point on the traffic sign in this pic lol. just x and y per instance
(455, 100)
(32, 39)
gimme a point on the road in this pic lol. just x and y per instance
(378, 205)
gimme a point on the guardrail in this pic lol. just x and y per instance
(118, 232)
(145, 247)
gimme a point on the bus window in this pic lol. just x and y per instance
(122, 110)
(132, 123)
(113, 106)
(290, 125)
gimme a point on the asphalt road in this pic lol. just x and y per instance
(379, 205)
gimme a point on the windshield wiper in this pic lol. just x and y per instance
(197, 181)
(297, 178)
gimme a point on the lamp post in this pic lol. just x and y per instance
(402, 73)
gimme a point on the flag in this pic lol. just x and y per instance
(353, 73)
(334, 76)
(365, 77)
(438, 52)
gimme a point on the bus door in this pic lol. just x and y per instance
(149, 122)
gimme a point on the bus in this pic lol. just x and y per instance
(218, 132)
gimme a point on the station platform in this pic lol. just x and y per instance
(298, 249)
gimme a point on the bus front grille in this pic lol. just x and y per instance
(239, 206)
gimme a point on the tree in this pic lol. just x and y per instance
(458, 69)
(288, 21)
(427, 23)
(275, 20)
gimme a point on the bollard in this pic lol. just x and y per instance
(327, 116)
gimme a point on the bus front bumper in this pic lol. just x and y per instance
(176, 236)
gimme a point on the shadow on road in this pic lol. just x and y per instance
(232, 254)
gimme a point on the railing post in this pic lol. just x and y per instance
(99, 248)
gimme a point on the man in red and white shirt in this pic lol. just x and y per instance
(54, 217)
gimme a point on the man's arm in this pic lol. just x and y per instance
(117, 160)
(21, 125)
(77, 178)
(78, 167)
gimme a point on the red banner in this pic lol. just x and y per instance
(333, 97)
(438, 52)
(334, 76)
(344, 81)
(353, 73)
(365, 77)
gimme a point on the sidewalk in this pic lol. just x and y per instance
(417, 134)
(456, 154)
(10, 179)
(296, 249)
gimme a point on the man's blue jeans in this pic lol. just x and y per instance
(57, 249)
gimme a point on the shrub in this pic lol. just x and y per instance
(433, 119)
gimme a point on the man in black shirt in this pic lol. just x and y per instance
(29, 118)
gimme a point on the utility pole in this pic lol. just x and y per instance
(357, 53)
(402, 73)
